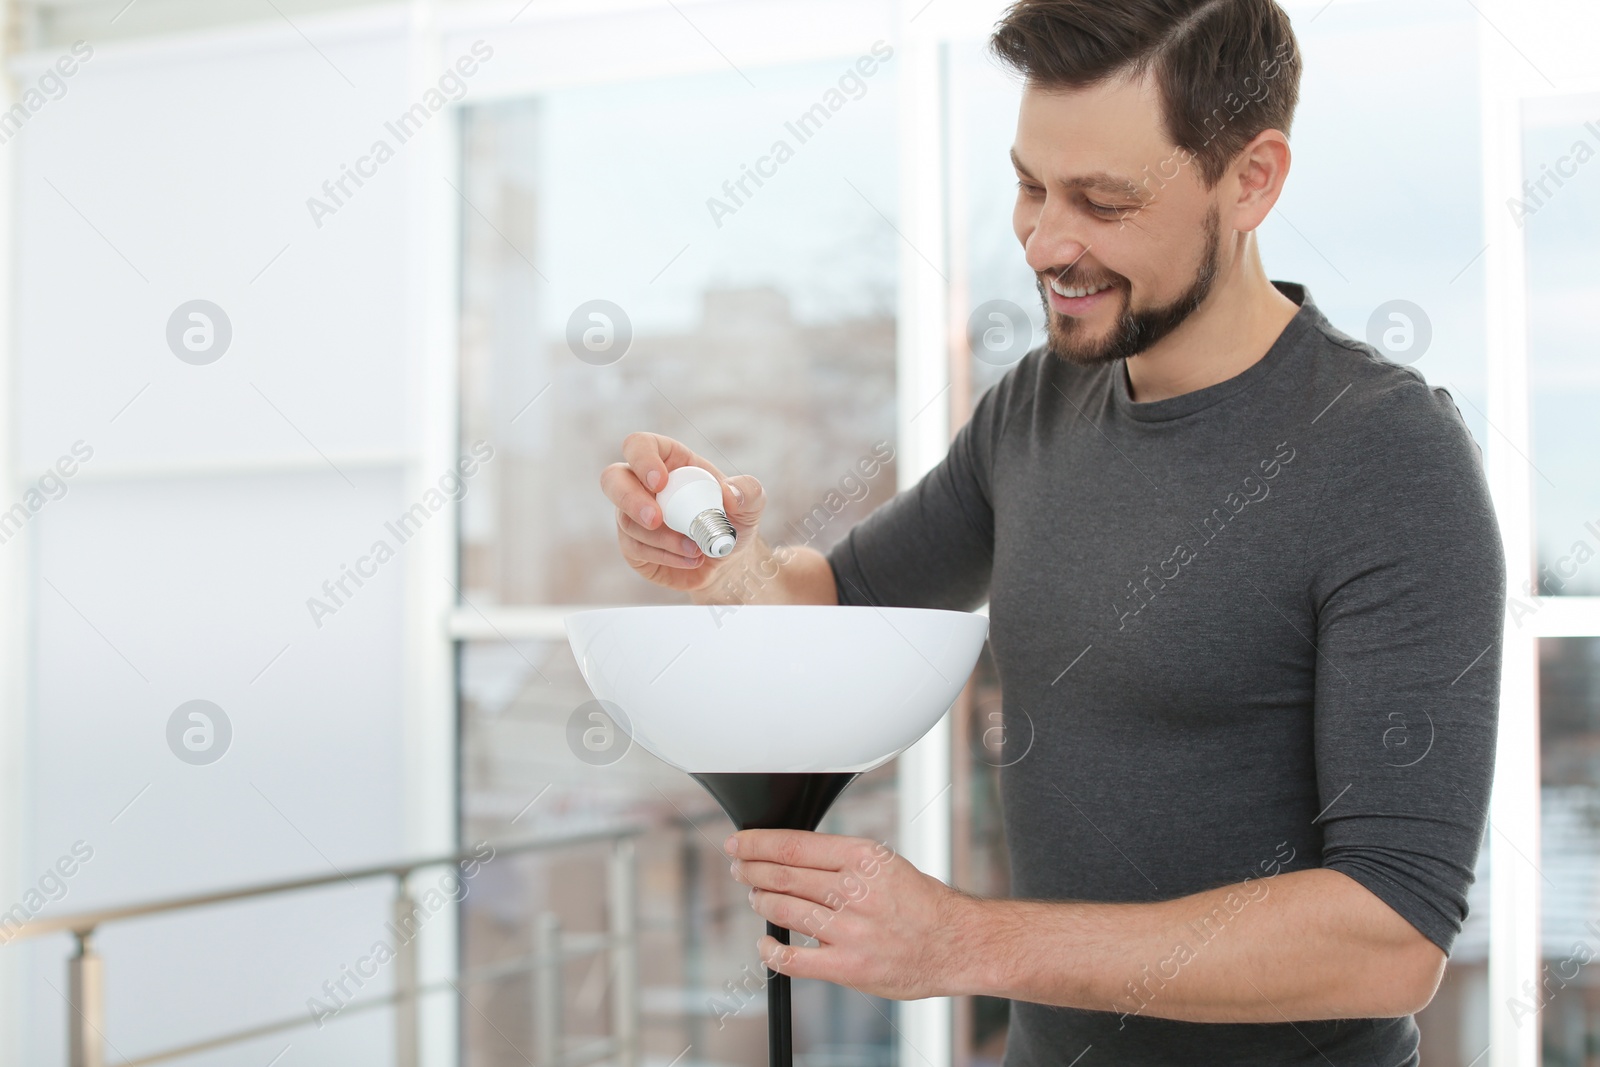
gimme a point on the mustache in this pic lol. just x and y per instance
(1078, 280)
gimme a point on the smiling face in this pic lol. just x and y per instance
(1122, 235)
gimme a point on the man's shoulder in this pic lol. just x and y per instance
(1358, 397)
(1401, 476)
(1395, 453)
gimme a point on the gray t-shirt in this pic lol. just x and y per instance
(1249, 629)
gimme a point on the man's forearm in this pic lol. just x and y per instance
(1310, 944)
(760, 574)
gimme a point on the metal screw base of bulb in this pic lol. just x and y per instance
(712, 531)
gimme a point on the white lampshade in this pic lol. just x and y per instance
(776, 688)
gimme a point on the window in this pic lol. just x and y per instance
(759, 329)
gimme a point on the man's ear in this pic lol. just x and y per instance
(1259, 174)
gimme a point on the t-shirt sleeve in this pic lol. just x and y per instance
(1409, 594)
(932, 545)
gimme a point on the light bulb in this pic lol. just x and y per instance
(691, 504)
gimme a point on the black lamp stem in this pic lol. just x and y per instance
(780, 1024)
(784, 801)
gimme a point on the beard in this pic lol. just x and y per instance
(1134, 331)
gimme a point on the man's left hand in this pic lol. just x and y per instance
(883, 926)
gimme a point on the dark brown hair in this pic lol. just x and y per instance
(1225, 69)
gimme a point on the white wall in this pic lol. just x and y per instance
(178, 563)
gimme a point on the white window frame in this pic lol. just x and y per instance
(1511, 93)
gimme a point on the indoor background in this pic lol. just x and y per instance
(288, 280)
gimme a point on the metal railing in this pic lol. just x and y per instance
(86, 1040)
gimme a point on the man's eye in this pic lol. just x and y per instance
(1102, 209)
(1031, 190)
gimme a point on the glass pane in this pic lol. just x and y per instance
(988, 261)
(1455, 1026)
(1560, 214)
(980, 861)
(759, 321)
(1568, 1005)
(754, 322)
(523, 777)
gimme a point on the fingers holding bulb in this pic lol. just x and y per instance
(641, 553)
(660, 536)
(743, 500)
(650, 456)
(663, 545)
(625, 491)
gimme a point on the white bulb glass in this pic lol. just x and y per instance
(691, 503)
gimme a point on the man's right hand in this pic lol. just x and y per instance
(659, 554)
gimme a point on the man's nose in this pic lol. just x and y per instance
(1054, 244)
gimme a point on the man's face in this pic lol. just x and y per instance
(1104, 200)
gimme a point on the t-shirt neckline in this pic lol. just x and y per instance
(1176, 407)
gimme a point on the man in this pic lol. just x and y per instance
(1244, 581)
